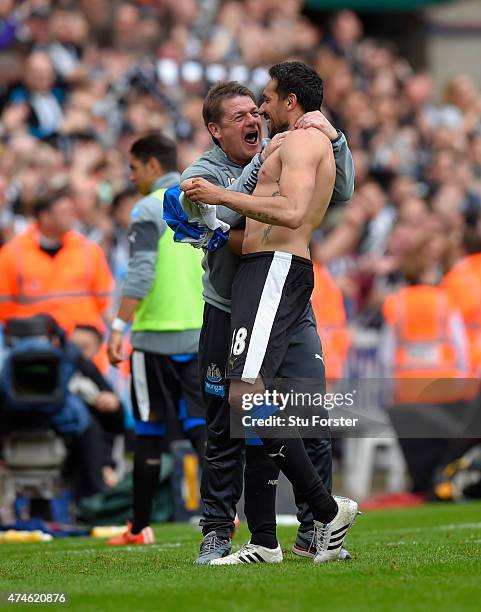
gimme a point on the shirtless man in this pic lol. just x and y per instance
(274, 282)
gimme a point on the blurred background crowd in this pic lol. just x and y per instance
(80, 80)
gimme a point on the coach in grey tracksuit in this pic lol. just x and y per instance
(221, 485)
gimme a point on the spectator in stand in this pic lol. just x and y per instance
(39, 98)
(9, 22)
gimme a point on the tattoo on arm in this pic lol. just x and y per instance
(258, 216)
(254, 214)
(278, 192)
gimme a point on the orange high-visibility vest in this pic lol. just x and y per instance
(463, 284)
(328, 305)
(74, 286)
(425, 363)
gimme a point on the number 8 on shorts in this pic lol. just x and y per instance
(239, 341)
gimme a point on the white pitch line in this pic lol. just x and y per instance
(404, 543)
(448, 527)
(128, 549)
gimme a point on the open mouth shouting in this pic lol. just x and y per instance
(251, 137)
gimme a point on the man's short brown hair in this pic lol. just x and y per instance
(47, 200)
(212, 111)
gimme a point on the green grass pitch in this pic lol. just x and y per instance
(424, 559)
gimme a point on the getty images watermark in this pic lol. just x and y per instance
(300, 410)
(361, 408)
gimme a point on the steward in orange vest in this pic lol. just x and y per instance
(463, 284)
(429, 346)
(328, 305)
(51, 269)
(425, 346)
(424, 325)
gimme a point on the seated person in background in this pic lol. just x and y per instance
(90, 343)
(106, 407)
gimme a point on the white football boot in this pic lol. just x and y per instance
(330, 536)
(251, 553)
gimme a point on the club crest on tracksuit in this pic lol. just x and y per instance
(213, 376)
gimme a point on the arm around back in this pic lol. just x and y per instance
(345, 172)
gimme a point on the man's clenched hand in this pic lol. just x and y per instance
(114, 348)
(200, 190)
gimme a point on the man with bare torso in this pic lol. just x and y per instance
(292, 194)
(274, 282)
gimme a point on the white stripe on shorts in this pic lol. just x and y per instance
(266, 312)
(139, 380)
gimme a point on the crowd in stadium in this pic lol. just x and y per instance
(81, 80)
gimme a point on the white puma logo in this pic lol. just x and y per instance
(279, 454)
(317, 356)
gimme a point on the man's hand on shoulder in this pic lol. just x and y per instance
(315, 119)
(273, 145)
(200, 190)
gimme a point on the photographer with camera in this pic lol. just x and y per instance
(45, 383)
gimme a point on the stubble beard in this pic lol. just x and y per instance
(278, 128)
